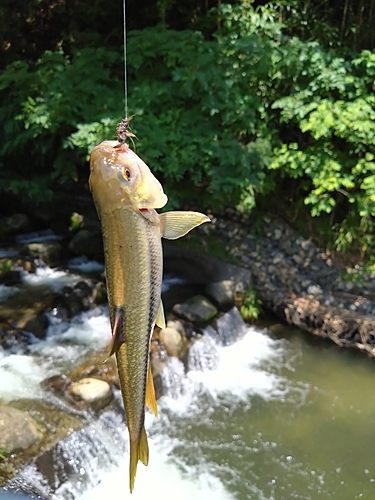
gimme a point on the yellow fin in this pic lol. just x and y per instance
(176, 224)
(150, 392)
(138, 451)
(160, 318)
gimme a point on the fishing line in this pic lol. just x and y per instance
(125, 61)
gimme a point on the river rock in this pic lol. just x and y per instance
(49, 252)
(57, 383)
(18, 430)
(87, 242)
(97, 393)
(178, 325)
(94, 367)
(10, 336)
(172, 341)
(35, 323)
(19, 223)
(27, 264)
(197, 308)
(222, 293)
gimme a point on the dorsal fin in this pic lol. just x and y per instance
(160, 317)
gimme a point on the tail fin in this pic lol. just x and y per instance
(138, 451)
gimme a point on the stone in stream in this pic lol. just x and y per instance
(35, 323)
(197, 308)
(87, 242)
(97, 393)
(49, 252)
(222, 293)
(18, 223)
(18, 430)
(57, 383)
(172, 341)
(178, 325)
(94, 367)
(230, 326)
(10, 336)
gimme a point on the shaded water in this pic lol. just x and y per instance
(269, 417)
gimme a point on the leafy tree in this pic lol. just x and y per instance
(239, 111)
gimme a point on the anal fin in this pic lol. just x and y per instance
(150, 392)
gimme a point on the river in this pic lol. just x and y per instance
(277, 415)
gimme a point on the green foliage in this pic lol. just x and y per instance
(223, 119)
(251, 305)
(6, 265)
(43, 105)
(76, 221)
(331, 116)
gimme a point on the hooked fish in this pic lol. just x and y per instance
(126, 195)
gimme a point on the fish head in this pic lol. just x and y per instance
(120, 179)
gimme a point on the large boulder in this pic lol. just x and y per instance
(18, 223)
(35, 323)
(18, 430)
(196, 309)
(49, 252)
(88, 243)
(222, 293)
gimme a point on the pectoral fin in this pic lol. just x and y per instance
(160, 318)
(150, 392)
(118, 334)
(176, 224)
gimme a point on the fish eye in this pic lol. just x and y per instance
(126, 174)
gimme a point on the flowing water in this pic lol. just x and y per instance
(270, 416)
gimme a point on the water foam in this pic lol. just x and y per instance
(20, 377)
(85, 265)
(242, 370)
(65, 346)
(52, 278)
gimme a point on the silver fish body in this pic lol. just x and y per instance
(126, 194)
(134, 269)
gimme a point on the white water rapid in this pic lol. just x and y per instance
(97, 454)
(247, 416)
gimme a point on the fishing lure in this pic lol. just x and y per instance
(123, 131)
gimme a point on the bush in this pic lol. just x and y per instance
(220, 120)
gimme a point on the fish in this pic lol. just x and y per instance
(126, 195)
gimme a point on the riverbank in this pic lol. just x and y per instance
(299, 282)
(302, 284)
